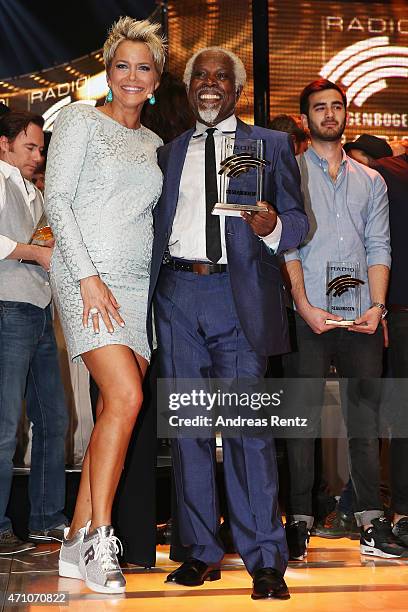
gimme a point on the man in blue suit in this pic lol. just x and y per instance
(219, 313)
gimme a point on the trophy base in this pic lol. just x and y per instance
(235, 210)
(342, 323)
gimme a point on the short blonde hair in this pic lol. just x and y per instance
(239, 68)
(144, 31)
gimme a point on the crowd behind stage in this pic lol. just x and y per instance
(354, 196)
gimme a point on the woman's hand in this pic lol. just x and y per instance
(99, 302)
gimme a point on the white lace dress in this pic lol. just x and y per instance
(102, 182)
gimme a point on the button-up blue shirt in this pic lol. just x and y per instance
(348, 221)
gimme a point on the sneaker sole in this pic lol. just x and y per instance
(330, 536)
(69, 570)
(39, 539)
(98, 588)
(349, 535)
(18, 550)
(376, 552)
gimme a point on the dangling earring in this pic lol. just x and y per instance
(151, 98)
(109, 97)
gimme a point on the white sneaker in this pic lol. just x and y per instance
(68, 564)
(98, 561)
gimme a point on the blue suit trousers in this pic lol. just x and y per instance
(199, 336)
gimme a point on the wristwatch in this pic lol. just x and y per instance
(381, 307)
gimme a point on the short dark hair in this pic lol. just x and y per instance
(288, 124)
(13, 123)
(313, 87)
(283, 123)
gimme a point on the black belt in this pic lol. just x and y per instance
(196, 267)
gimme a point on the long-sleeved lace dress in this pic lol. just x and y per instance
(102, 182)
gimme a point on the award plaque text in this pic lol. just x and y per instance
(238, 157)
(343, 291)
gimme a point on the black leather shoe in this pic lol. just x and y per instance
(193, 573)
(269, 584)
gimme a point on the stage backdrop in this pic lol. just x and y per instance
(363, 46)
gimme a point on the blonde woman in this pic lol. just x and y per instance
(102, 183)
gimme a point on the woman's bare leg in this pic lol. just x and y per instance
(119, 375)
(83, 506)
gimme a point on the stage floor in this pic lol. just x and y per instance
(335, 577)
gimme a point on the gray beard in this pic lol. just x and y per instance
(209, 116)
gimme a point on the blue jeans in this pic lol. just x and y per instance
(29, 369)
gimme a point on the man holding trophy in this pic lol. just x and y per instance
(338, 279)
(29, 366)
(219, 308)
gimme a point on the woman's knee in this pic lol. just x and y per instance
(124, 402)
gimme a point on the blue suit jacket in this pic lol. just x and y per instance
(254, 270)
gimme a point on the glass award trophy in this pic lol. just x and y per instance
(238, 157)
(343, 291)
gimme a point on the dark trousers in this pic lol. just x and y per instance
(200, 337)
(398, 357)
(357, 357)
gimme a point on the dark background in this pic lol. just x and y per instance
(38, 34)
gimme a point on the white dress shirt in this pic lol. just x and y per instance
(29, 193)
(187, 240)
